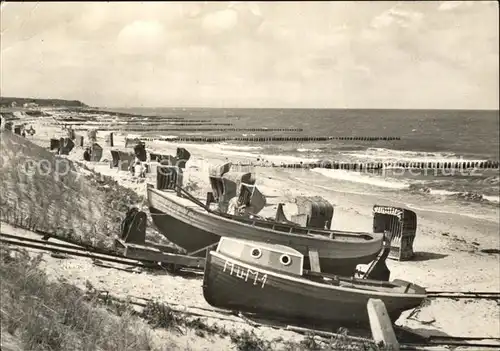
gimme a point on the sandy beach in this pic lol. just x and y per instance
(372, 106)
(448, 246)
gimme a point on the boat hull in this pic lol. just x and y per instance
(182, 234)
(231, 284)
(192, 228)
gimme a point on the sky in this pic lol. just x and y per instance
(426, 55)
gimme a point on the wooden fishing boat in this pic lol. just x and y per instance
(195, 228)
(269, 280)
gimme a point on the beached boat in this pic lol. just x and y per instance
(195, 227)
(269, 280)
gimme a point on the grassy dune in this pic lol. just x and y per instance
(50, 193)
(38, 314)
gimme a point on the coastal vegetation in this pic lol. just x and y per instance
(19, 102)
(44, 192)
(42, 314)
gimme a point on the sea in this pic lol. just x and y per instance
(423, 136)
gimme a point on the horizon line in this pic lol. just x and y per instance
(254, 108)
(300, 108)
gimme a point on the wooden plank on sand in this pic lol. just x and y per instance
(381, 325)
(314, 260)
(154, 254)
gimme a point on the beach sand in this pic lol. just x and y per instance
(447, 245)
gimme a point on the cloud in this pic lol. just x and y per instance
(317, 54)
(220, 21)
(451, 5)
(141, 37)
(396, 16)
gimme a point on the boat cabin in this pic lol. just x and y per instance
(400, 224)
(277, 258)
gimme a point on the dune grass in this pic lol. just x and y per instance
(46, 315)
(49, 193)
(55, 315)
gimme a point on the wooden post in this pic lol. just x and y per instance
(179, 181)
(381, 325)
(314, 260)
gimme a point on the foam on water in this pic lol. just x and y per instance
(494, 199)
(441, 192)
(133, 136)
(238, 147)
(410, 156)
(362, 178)
(309, 150)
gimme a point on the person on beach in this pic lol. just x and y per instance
(138, 170)
(234, 206)
(86, 154)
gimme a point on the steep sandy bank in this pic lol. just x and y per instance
(52, 193)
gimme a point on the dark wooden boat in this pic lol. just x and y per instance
(195, 228)
(269, 280)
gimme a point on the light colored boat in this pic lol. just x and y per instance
(195, 228)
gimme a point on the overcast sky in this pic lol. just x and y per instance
(241, 54)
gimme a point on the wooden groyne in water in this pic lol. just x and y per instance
(462, 165)
(167, 129)
(293, 138)
(109, 126)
